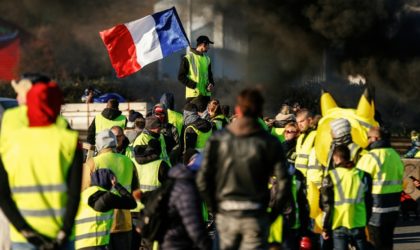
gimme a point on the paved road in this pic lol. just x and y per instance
(407, 235)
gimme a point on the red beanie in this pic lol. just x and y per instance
(44, 103)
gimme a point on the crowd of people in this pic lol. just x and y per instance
(237, 181)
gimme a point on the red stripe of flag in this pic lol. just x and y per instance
(9, 60)
(121, 50)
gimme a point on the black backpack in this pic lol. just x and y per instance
(154, 216)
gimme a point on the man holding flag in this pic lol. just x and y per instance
(195, 71)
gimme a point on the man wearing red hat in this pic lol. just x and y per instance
(40, 174)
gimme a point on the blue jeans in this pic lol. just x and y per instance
(343, 236)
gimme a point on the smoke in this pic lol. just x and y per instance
(377, 39)
(289, 43)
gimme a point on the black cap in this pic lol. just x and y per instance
(203, 39)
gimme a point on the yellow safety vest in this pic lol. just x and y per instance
(102, 123)
(198, 72)
(349, 193)
(278, 133)
(92, 228)
(219, 120)
(16, 118)
(120, 164)
(176, 119)
(148, 178)
(386, 168)
(37, 165)
(149, 175)
(304, 145)
(144, 138)
(202, 137)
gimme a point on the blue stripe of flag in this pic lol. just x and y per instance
(171, 34)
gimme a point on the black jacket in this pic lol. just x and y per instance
(109, 114)
(186, 227)
(237, 164)
(190, 136)
(184, 68)
(103, 201)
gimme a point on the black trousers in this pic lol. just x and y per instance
(120, 241)
(382, 237)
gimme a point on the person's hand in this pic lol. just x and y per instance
(61, 239)
(37, 239)
(114, 181)
(210, 87)
(325, 235)
(137, 194)
(416, 183)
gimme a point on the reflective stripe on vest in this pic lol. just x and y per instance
(176, 119)
(102, 123)
(349, 206)
(202, 137)
(37, 177)
(304, 146)
(198, 72)
(386, 169)
(92, 228)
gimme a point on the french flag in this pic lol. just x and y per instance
(133, 45)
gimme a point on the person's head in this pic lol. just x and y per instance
(203, 44)
(214, 108)
(44, 104)
(341, 131)
(159, 111)
(291, 131)
(25, 84)
(285, 109)
(132, 117)
(201, 103)
(304, 119)
(119, 134)
(296, 107)
(341, 155)
(249, 103)
(414, 135)
(378, 133)
(139, 123)
(226, 110)
(102, 178)
(105, 140)
(153, 124)
(112, 104)
(315, 120)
